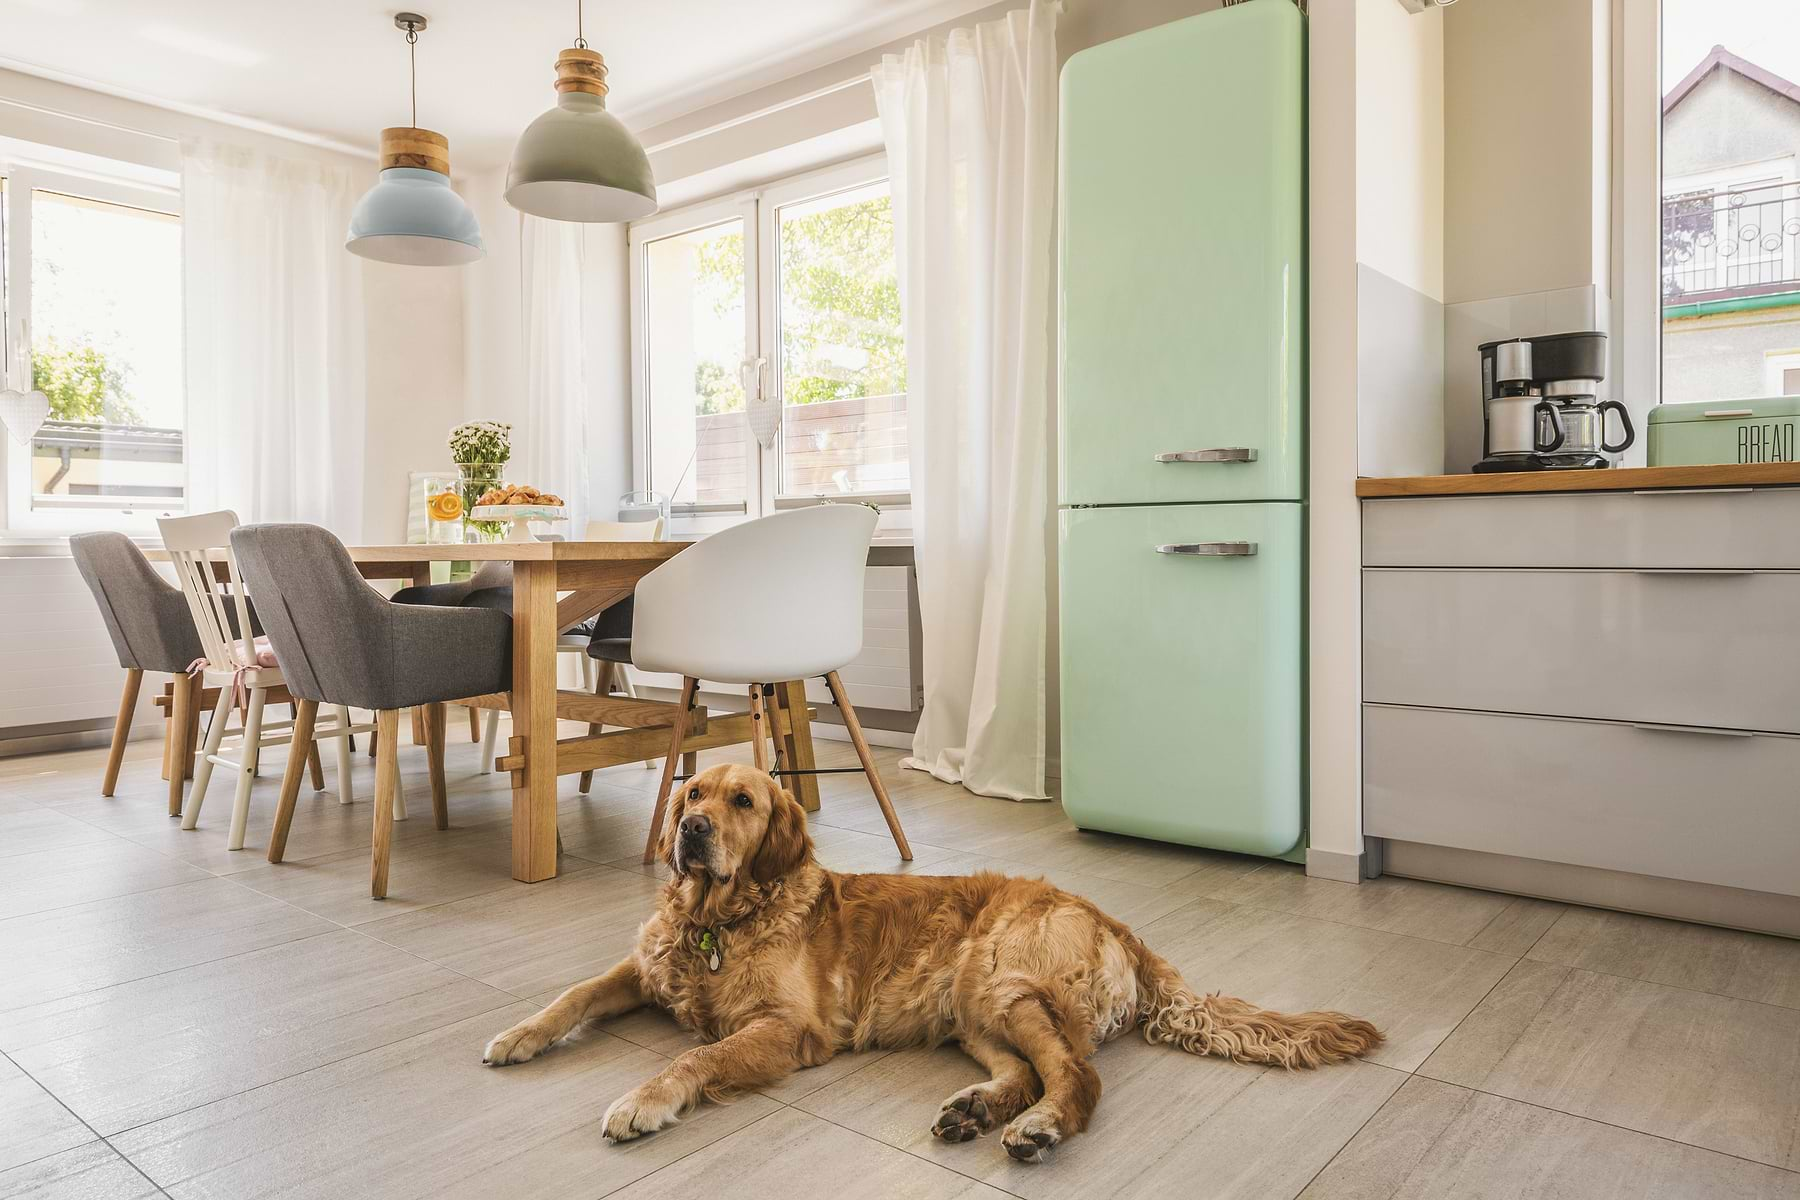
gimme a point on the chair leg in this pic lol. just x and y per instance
(488, 740)
(168, 711)
(868, 763)
(418, 725)
(240, 805)
(434, 761)
(215, 736)
(474, 724)
(190, 742)
(346, 746)
(306, 715)
(677, 735)
(121, 729)
(313, 763)
(179, 723)
(629, 691)
(601, 683)
(387, 785)
(759, 729)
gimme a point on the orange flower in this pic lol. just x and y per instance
(446, 506)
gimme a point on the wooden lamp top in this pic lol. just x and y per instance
(581, 70)
(404, 146)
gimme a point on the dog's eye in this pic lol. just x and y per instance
(742, 801)
(693, 793)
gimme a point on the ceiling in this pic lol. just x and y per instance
(336, 69)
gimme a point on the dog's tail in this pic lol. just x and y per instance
(1231, 1028)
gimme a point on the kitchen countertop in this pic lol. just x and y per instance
(1614, 479)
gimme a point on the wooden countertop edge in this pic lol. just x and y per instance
(1617, 479)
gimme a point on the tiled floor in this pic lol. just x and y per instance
(178, 1019)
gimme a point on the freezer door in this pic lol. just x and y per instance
(1182, 303)
(1181, 673)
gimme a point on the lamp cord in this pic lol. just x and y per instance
(580, 41)
(412, 56)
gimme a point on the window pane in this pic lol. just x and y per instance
(1730, 198)
(694, 316)
(106, 349)
(843, 357)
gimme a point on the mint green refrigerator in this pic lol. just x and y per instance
(1182, 433)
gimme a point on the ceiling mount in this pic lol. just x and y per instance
(408, 22)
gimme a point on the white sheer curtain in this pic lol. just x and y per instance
(273, 305)
(970, 126)
(550, 429)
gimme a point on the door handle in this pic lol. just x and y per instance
(1209, 549)
(1220, 454)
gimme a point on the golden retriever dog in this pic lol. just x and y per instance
(784, 963)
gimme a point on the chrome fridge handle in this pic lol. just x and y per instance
(1221, 454)
(1209, 549)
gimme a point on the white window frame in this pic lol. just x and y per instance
(1777, 363)
(1637, 93)
(23, 178)
(759, 208)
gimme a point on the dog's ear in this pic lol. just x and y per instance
(672, 822)
(785, 845)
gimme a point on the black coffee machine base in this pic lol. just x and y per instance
(1542, 462)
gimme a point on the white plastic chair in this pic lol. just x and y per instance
(577, 643)
(766, 602)
(195, 545)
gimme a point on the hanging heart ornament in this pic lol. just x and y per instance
(23, 413)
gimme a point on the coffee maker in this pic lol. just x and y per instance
(1541, 409)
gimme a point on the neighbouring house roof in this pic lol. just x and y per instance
(1719, 56)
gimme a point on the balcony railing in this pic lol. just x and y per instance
(1722, 245)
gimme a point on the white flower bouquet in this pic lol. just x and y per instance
(486, 442)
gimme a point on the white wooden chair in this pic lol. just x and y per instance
(599, 681)
(197, 545)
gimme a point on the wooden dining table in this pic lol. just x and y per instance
(557, 585)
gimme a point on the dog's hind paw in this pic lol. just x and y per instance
(521, 1043)
(1031, 1137)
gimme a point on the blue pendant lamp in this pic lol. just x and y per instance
(412, 215)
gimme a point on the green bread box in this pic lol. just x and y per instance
(1725, 431)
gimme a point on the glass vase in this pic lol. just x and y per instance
(477, 478)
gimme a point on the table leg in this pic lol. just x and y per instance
(534, 720)
(181, 719)
(797, 743)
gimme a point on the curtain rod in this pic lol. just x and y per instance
(759, 114)
(249, 124)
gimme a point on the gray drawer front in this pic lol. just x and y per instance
(1717, 649)
(1710, 808)
(1758, 529)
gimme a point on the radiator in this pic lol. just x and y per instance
(55, 655)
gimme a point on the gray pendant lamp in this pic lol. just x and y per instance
(578, 162)
(412, 215)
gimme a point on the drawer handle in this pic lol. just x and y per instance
(1222, 454)
(1703, 572)
(1209, 549)
(1707, 730)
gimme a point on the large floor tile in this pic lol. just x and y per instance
(421, 1117)
(145, 1049)
(1414, 990)
(91, 1172)
(421, 873)
(1749, 966)
(1165, 1120)
(105, 942)
(34, 1125)
(535, 939)
(25, 830)
(1518, 927)
(1433, 1141)
(1110, 855)
(1707, 1070)
(1423, 910)
(47, 879)
(792, 1156)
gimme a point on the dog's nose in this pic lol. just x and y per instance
(696, 825)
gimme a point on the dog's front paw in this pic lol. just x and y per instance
(642, 1110)
(521, 1043)
(1032, 1137)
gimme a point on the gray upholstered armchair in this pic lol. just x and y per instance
(340, 642)
(151, 630)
